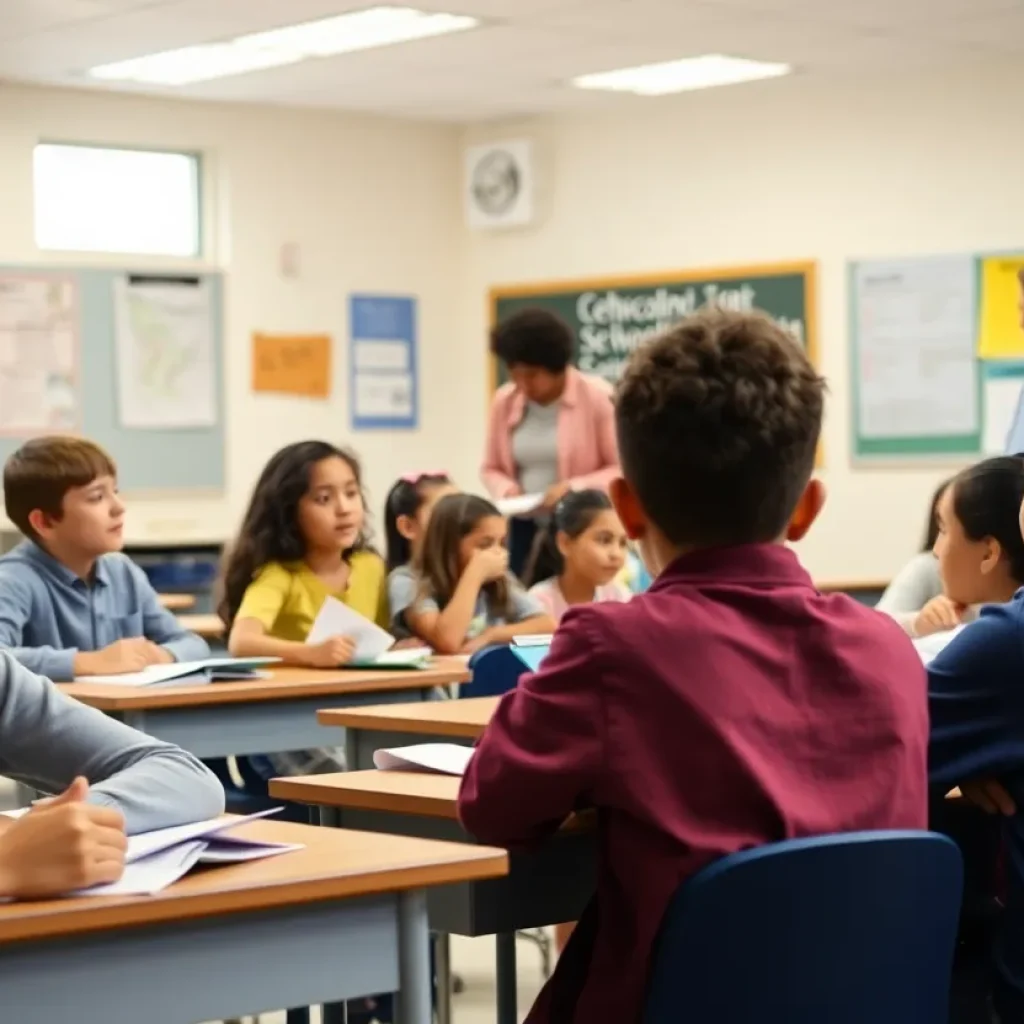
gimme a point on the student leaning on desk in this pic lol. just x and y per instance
(111, 782)
(767, 710)
(70, 603)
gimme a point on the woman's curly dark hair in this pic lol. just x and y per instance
(270, 530)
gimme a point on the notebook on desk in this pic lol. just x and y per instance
(155, 860)
(204, 671)
(531, 650)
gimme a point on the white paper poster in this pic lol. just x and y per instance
(1002, 402)
(165, 355)
(39, 387)
(917, 365)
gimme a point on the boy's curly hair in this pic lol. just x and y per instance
(718, 423)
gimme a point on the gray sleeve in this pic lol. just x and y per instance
(161, 626)
(914, 586)
(523, 605)
(402, 588)
(15, 611)
(46, 739)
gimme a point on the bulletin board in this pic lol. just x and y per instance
(937, 356)
(150, 459)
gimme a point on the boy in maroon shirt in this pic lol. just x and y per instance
(729, 706)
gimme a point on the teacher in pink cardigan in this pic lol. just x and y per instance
(552, 428)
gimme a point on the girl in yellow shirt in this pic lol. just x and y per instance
(302, 540)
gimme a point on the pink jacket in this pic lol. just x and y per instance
(588, 455)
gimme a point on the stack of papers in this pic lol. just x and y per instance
(156, 860)
(373, 644)
(189, 672)
(440, 758)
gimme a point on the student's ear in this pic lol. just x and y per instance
(993, 552)
(628, 508)
(41, 522)
(562, 543)
(406, 526)
(808, 508)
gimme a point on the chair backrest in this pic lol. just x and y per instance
(496, 670)
(846, 929)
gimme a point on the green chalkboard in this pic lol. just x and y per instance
(610, 317)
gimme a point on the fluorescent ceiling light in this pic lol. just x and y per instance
(681, 75)
(346, 33)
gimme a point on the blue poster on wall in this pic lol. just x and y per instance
(383, 375)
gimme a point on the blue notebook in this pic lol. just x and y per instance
(531, 657)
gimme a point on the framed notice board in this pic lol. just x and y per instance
(612, 316)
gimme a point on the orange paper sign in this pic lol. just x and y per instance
(292, 364)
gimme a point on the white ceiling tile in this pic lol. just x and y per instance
(877, 14)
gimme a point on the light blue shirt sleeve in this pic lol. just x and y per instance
(161, 626)
(15, 611)
(47, 739)
(402, 589)
(523, 606)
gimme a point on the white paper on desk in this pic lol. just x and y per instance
(337, 619)
(227, 850)
(929, 647)
(533, 640)
(521, 506)
(443, 758)
(152, 874)
(147, 843)
(202, 671)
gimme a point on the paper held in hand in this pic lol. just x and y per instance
(522, 506)
(441, 758)
(373, 644)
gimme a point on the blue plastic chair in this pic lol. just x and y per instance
(846, 929)
(496, 670)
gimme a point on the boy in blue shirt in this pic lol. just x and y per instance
(70, 603)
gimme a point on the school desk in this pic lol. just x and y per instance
(394, 725)
(204, 624)
(343, 918)
(545, 885)
(177, 602)
(260, 716)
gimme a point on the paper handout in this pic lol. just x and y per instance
(203, 671)
(442, 758)
(532, 655)
(521, 506)
(154, 860)
(336, 619)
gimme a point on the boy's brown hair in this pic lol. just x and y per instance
(43, 470)
(718, 422)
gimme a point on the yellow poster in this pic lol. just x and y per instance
(1000, 332)
(292, 364)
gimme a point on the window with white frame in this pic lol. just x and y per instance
(99, 199)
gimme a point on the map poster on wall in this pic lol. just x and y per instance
(39, 386)
(611, 317)
(166, 371)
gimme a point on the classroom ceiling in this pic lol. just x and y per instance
(519, 60)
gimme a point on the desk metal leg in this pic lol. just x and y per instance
(443, 971)
(506, 972)
(413, 1003)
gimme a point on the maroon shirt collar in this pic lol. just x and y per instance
(747, 563)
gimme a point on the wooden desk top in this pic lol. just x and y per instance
(421, 794)
(206, 625)
(424, 794)
(465, 719)
(284, 684)
(334, 864)
(177, 602)
(850, 586)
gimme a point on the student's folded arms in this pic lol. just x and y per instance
(47, 740)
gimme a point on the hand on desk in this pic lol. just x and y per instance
(61, 845)
(338, 650)
(131, 655)
(990, 796)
